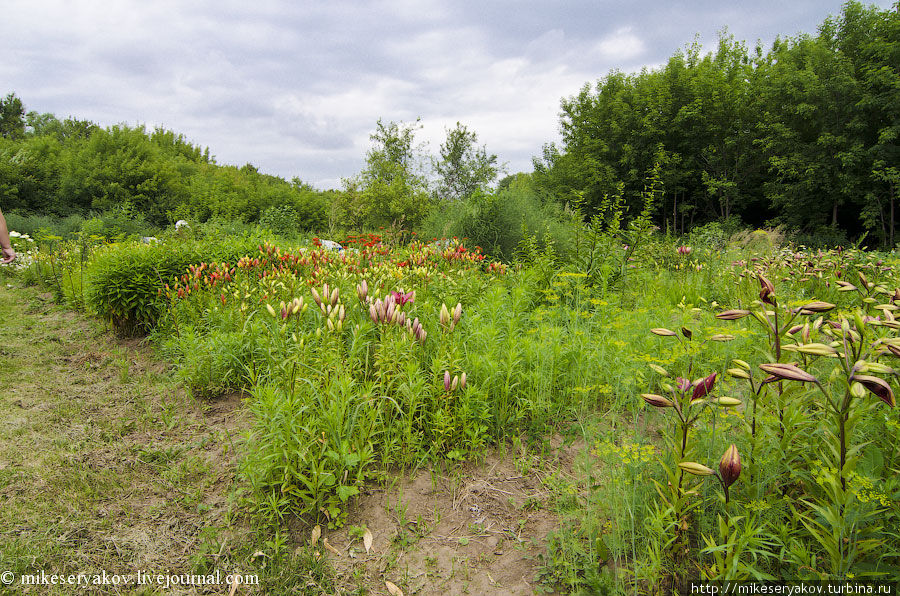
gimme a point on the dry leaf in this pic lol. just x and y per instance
(367, 540)
(393, 590)
(329, 547)
(314, 535)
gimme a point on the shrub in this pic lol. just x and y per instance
(124, 280)
(118, 223)
(499, 222)
(36, 225)
(282, 220)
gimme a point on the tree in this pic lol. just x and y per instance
(391, 190)
(463, 167)
(12, 117)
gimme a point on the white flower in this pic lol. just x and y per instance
(14, 234)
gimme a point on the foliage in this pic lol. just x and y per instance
(463, 168)
(802, 134)
(392, 189)
(500, 221)
(124, 282)
(12, 117)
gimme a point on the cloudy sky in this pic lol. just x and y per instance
(295, 87)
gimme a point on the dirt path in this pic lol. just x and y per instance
(106, 465)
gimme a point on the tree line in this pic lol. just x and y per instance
(63, 167)
(804, 134)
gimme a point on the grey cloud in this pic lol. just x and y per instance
(296, 87)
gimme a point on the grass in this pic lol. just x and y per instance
(107, 464)
(347, 408)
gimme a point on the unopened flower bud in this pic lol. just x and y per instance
(657, 401)
(730, 466)
(696, 469)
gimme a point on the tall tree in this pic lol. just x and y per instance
(463, 168)
(392, 189)
(12, 117)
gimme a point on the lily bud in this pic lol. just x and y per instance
(787, 372)
(334, 296)
(373, 314)
(455, 383)
(703, 387)
(362, 291)
(657, 401)
(445, 315)
(447, 381)
(727, 402)
(316, 297)
(731, 315)
(271, 310)
(696, 469)
(730, 466)
(462, 382)
(816, 307)
(879, 387)
(767, 291)
(738, 373)
(816, 349)
(389, 312)
(659, 370)
(663, 332)
(457, 313)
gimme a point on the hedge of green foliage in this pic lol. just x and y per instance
(124, 282)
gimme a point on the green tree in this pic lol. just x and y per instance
(463, 167)
(391, 190)
(12, 117)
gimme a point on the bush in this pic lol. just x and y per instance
(38, 225)
(124, 280)
(118, 223)
(762, 241)
(821, 237)
(282, 220)
(499, 222)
